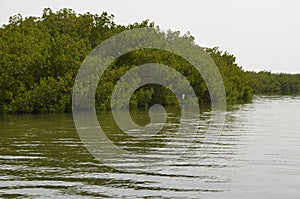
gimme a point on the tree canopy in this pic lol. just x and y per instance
(40, 57)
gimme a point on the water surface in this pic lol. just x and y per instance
(256, 156)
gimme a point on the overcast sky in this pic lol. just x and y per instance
(263, 34)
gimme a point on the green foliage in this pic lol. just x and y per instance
(40, 57)
(235, 80)
(265, 82)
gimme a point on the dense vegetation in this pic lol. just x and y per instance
(265, 82)
(40, 57)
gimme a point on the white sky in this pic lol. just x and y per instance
(262, 34)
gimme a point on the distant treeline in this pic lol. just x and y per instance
(40, 57)
(265, 82)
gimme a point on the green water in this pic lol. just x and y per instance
(257, 155)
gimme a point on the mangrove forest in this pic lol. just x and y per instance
(40, 57)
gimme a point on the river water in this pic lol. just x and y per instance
(257, 155)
